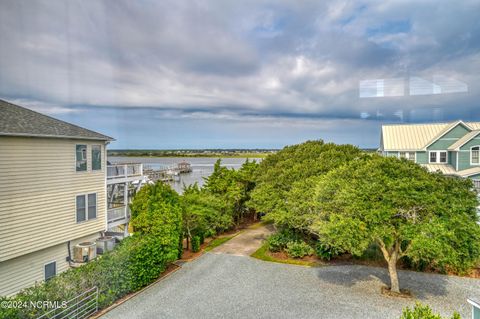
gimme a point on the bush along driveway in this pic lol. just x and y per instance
(226, 283)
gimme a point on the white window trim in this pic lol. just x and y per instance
(407, 157)
(438, 157)
(86, 159)
(86, 207)
(471, 156)
(48, 263)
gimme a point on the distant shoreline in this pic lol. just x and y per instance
(209, 155)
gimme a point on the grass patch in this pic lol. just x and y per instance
(262, 254)
(218, 241)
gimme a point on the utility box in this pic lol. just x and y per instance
(84, 252)
(104, 244)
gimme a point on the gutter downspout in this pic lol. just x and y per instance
(69, 254)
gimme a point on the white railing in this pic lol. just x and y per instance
(116, 214)
(476, 184)
(124, 170)
(79, 307)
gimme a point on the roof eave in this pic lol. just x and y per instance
(106, 138)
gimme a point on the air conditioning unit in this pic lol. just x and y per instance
(105, 244)
(84, 252)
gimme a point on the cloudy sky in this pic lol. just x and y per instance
(246, 74)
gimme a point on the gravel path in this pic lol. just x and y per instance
(246, 243)
(224, 285)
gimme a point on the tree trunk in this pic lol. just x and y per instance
(392, 270)
(391, 257)
(189, 235)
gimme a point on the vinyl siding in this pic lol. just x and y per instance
(24, 271)
(452, 156)
(38, 189)
(422, 158)
(448, 139)
(463, 160)
(457, 132)
(471, 143)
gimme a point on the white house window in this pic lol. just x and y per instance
(438, 157)
(50, 270)
(408, 155)
(92, 206)
(96, 157)
(443, 157)
(81, 158)
(86, 207)
(475, 155)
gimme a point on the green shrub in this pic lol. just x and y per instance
(326, 252)
(202, 237)
(209, 233)
(278, 241)
(195, 244)
(423, 312)
(299, 249)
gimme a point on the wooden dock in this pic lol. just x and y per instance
(168, 174)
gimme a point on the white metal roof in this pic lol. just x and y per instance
(446, 169)
(469, 172)
(442, 168)
(411, 137)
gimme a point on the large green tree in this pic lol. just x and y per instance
(402, 208)
(202, 212)
(294, 165)
(156, 211)
(232, 187)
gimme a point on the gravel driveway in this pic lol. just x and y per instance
(228, 285)
(246, 243)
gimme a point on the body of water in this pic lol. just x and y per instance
(201, 166)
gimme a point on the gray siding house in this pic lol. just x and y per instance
(450, 148)
(53, 194)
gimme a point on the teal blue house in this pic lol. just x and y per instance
(450, 148)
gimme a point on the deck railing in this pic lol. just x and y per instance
(116, 214)
(124, 170)
(79, 307)
(476, 184)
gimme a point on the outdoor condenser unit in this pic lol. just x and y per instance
(84, 252)
(105, 244)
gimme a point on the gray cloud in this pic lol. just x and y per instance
(273, 59)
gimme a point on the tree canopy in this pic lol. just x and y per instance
(294, 165)
(156, 211)
(402, 208)
(202, 212)
(232, 187)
